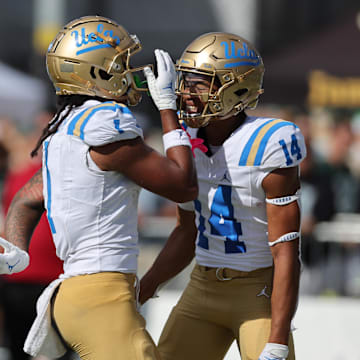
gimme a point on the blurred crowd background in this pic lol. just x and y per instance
(311, 54)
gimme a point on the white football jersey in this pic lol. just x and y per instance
(231, 209)
(92, 213)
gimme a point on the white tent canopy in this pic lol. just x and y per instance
(21, 96)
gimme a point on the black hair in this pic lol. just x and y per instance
(63, 101)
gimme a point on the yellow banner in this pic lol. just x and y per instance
(331, 91)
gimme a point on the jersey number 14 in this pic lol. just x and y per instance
(294, 150)
(222, 222)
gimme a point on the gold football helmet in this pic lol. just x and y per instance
(235, 70)
(91, 56)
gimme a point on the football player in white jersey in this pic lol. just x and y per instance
(244, 227)
(94, 164)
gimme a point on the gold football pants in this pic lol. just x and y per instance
(97, 317)
(212, 313)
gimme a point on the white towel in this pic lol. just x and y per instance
(42, 338)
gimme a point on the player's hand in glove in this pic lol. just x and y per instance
(162, 88)
(13, 260)
(273, 351)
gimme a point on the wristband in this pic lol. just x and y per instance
(279, 350)
(176, 137)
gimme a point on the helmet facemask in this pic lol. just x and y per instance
(201, 98)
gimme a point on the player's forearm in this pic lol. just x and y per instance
(181, 156)
(25, 211)
(20, 224)
(169, 120)
(173, 258)
(284, 297)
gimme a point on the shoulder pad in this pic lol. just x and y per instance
(274, 143)
(104, 123)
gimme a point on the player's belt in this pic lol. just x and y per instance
(226, 274)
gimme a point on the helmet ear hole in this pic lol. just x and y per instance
(104, 75)
(92, 72)
(241, 92)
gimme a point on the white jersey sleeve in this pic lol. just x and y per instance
(283, 146)
(286, 148)
(105, 123)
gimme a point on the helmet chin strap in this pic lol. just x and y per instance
(196, 122)
(202, 121)
(239, 108)
(132, 97)
(228, 116)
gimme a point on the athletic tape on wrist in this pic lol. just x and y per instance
(286, 237)
(279, 350)
(175, 137)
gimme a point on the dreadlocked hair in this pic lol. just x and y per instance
(63, 102)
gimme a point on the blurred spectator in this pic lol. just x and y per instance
(19, 292)
(344, 256)
(317, 203)
(345, 183)
(329, 187)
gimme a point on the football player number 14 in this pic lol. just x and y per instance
(222, 221)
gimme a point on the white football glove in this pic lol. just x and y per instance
(273, 351)
(162, 88)
(13, 260)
